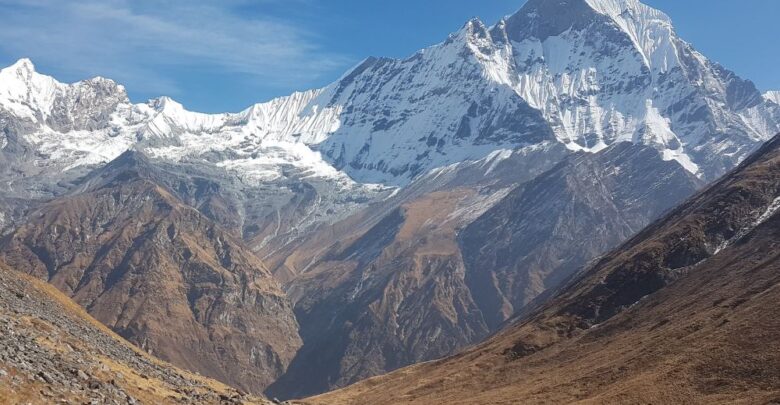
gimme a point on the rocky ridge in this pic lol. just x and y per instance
(160, 274)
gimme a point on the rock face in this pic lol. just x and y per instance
(687, 303)
(51, 350)
(444, 269)
(547, 228)
(160, 274)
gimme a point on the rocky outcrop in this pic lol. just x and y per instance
(162, 275)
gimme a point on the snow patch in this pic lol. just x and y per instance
(659, 134)
(768, 213)
(773, 96)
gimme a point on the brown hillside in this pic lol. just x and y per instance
(682, 313)
(445, 269)
(52, 350)
(161, 275)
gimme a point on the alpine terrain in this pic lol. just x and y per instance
(161, 275)
(406, 211)
(681, 313)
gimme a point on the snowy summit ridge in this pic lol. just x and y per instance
(582, 73)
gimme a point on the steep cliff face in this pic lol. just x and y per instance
(687, 304)
(162, 275)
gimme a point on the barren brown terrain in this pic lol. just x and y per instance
(52, 351)
(443, 270)
(682, 313)
(161, 275)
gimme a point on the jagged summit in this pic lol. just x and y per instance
(649, 30)
(542, 19)
(24, 69)
(82, 106)
(26, 92)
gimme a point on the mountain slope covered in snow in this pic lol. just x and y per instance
(585, 73)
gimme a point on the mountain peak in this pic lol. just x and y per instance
(553, 17)
(132, 164)
(165, 103)
(22, 70)
(471, 29)
(474, 22)
(24, 64)
(627, 8)
(649, 30)
(24, 91)
(542, 19)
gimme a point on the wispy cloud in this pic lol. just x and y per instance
(133, 40)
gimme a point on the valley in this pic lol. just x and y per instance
(484, 221)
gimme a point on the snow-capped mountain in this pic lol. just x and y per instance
(585, 73)
(52, 134)
(413, 205)
(93, 121)
(597, 71)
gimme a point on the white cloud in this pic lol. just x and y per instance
(133, 40)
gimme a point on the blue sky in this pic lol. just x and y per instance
(224, 55)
